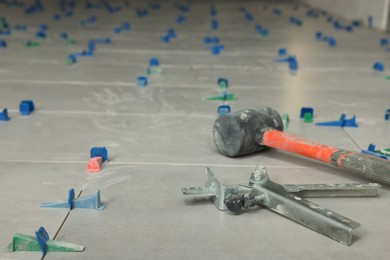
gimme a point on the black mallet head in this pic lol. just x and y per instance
(241, 132)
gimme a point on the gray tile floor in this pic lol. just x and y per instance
(160, 139)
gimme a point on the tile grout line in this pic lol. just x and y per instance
(123, 84)
(66, 113)
(161, 164)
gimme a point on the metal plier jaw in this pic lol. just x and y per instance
(284, 200)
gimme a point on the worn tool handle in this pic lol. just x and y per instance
(371, 167)
(368, 166)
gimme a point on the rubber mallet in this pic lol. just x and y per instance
(251, 130)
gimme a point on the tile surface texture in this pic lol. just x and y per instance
(159, 138)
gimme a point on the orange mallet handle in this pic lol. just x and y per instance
(367, 166)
